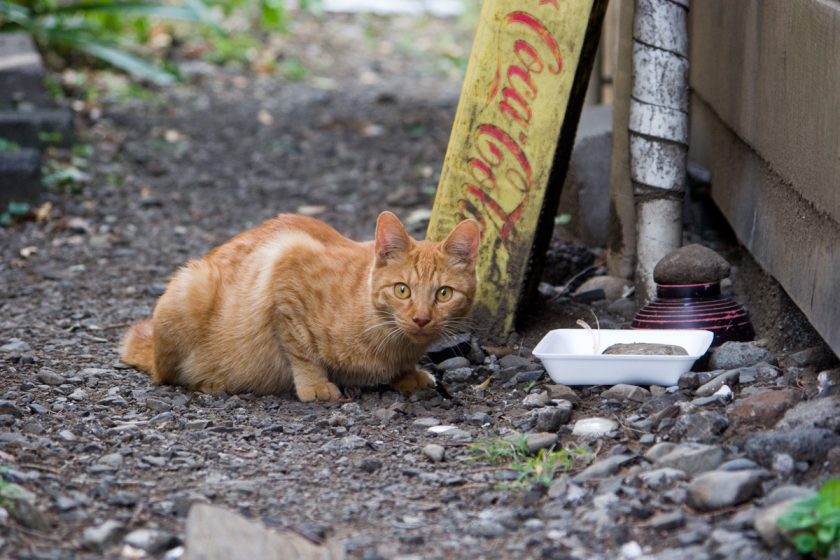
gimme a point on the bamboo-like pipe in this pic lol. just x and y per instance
(658, 128)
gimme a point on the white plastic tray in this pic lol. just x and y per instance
(570, 359)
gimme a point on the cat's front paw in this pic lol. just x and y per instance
(412, 381)
(324, 391)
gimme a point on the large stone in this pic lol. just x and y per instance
(605, 467)
(10, 408)
(817, 357)
(655, 453)
(703, 427)
(564, 392)
(550, 418)
(692, 264)
(816, 413)
(50, 377)
(216, 534)
(666, 520)
(763, 409)
(624, 392)
(536, 400)
(15, 344)
(803, 444)
(453, 363)
(733, 355)
(711, 387)
(540, 440)
(586, 192)
(767, 521)
(23, 506)
(787, 492)
(659, 479)
(646, 349)
(692, 458)
(721, 489)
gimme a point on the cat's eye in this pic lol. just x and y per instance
(444, 294)
(402, 291)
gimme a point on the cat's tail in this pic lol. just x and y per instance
(137, 346)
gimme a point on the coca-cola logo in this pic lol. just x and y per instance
(500, 174)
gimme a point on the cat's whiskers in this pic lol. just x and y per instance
(384, 344)
(379, 325)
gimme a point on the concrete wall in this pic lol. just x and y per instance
(766, 120)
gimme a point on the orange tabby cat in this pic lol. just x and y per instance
(294, 304)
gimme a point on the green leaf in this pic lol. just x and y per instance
(66, 176)
(152, 9)
(805, 542)
(793, 521)
(273, 14)
(18, 208)
(7, 145)
(831, 491)
(826, 534)
(14, 12)
(125, 61)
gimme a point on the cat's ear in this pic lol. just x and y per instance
(462, 243)
(391, 238)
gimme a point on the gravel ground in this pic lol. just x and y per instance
(99, 463)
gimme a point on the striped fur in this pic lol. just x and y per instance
(294, 305)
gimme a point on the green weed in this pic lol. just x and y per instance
(541, 468)
(815, 522)
(530, 469)
(106, 31)
(14, 211)
(499, 451)
(8, 146)
(67, 170)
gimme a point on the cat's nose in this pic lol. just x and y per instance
(421, 321)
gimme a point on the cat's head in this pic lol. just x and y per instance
(422, 288)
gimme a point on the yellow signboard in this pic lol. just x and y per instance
(524, 71)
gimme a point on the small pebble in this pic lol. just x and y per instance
(434, 452)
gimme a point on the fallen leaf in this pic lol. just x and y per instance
(43, 213)
(484, 384)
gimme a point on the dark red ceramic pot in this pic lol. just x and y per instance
(696, 306)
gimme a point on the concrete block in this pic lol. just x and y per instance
(21, 72)
(20, 176)
(586, 192)
(37, 127)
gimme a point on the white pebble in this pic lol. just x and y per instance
(594, 426)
